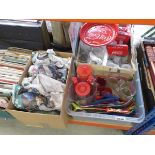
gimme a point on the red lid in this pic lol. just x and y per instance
(82, 89)
(98, 34)
(84, 71)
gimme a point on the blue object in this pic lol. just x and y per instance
(111, 99)
(29, 96)
(147, 125)
(108, 95)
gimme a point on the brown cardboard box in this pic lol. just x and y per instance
(15, 49)
(21, 50)
(44, 120)
(113, 71)
(106, 70)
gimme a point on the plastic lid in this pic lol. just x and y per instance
(98, 34)
(82, 89)
(84, 71)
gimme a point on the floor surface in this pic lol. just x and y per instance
(13, 127)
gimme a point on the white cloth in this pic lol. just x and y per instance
(50, 87)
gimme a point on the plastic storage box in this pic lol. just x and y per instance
(137, 118)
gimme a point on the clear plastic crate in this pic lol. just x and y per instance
(137, 118)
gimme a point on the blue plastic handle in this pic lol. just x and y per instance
(112, 99)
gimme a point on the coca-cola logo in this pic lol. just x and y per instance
(99, 33)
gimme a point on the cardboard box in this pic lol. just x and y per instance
(44, 120)
(15, 49)
(3, 113)
(21, 50)
(26, 66)
(107, 70)
(113, 71)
